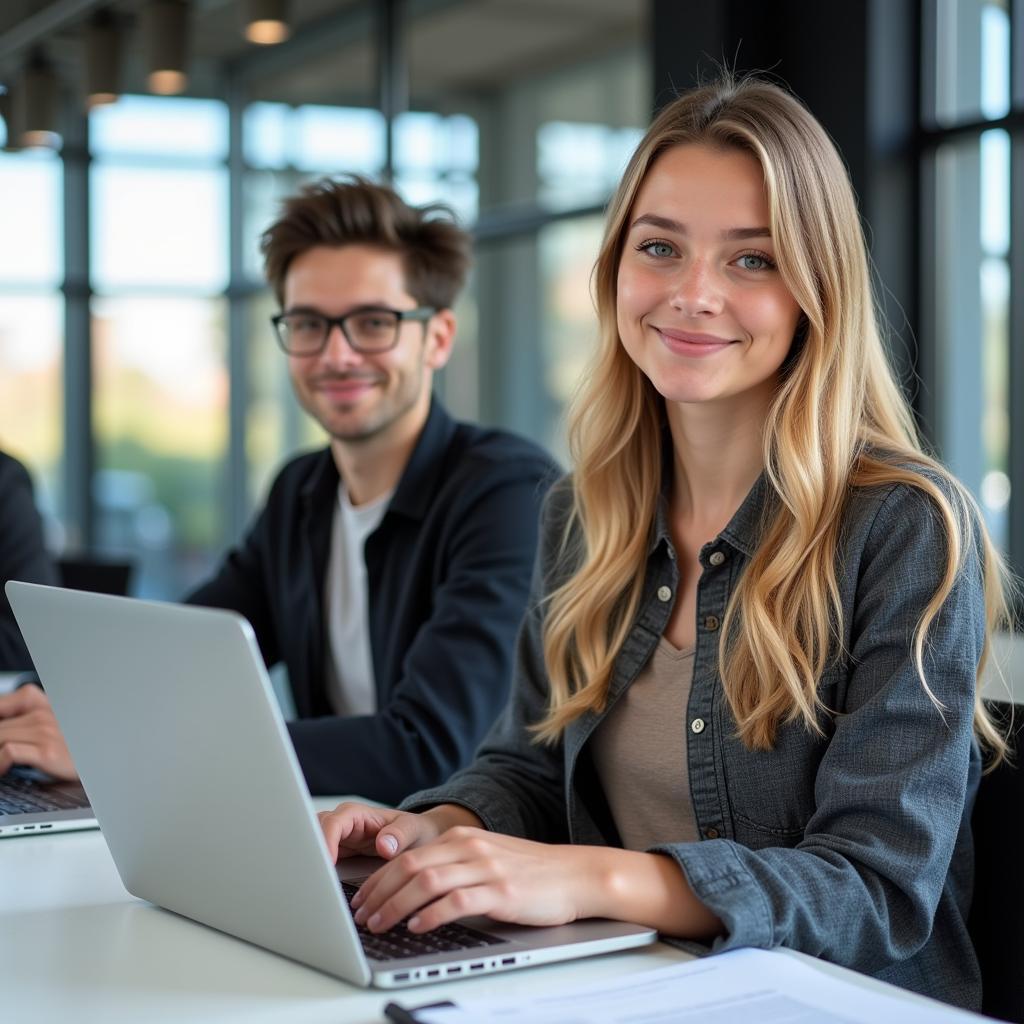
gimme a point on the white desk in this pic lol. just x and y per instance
(75, 947)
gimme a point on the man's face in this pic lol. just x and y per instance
(352, 395)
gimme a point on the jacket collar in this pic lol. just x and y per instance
(743, 531)
(415, 490)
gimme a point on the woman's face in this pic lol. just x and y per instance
(702, 308)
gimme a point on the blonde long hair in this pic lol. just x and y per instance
(838, 420)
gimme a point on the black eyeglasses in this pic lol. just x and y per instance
(368, 330)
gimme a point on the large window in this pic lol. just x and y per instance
(159, 255)
(141, 381)
(31, 320)
(971, 122)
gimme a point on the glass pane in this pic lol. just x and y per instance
(972, 286)
(436, 160)
(972, 60)
(334, 139)
(461, 195)
(160, 413)
(995, 193)
(995, 430)
(579, 164)
(569, 325)
(31, 388)
(537, 327)
(265, 134)
(165, 125)
(275, 424)
(262, 193)
(159, 227)
(30, 211)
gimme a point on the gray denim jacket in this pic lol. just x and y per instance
(854, 846)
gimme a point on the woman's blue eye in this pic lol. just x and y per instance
(751, 261)
(662, 249)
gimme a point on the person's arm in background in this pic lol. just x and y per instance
(456, 673)
(29, 733)
(23, 556)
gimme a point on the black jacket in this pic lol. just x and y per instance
(448, 571)
(22, 556)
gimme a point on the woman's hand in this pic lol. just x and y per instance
(467, 871)
(355, 829)
(470, 871)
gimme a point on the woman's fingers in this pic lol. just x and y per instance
(422, 890)
(352, 829)
(383, 884)
(402, 832)
(469, 871)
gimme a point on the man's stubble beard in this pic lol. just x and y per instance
(371, 431)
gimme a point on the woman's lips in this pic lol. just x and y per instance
(685, 343)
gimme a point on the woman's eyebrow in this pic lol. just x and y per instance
(654, 220)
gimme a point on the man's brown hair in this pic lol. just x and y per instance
(435, 251)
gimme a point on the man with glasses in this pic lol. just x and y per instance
(388, 571)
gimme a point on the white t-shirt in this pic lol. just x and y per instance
(351, 688)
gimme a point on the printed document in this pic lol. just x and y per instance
(738, 987)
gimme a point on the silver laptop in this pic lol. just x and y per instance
(32, 802)
(170, 717)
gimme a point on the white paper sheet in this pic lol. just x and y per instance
(740, 987)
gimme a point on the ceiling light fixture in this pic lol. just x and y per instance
(164, 31)
(38, 105)
(102, 61)
(266, 21)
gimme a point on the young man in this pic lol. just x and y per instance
(390, 570)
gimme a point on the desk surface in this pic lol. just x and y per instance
(74, 946)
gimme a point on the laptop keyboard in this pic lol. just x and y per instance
(399, 942)
(23, 793)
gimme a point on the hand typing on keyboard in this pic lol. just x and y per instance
(30, 735)
(399, 942)
(444, 866)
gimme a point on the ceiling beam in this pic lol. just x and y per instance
(37, 27)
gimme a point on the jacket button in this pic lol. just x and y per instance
(664, 593)
(711, 833)
(711, 623)
(716, 558)
(697, 725)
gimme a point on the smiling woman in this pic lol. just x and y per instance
(745, 708)
(697, 280)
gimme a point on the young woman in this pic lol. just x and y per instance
(746, 687)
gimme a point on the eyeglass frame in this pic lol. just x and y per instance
(420, 313)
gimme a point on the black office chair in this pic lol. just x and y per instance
(997, 912)
(102, 576)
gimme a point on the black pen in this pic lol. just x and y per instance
(400, 1015)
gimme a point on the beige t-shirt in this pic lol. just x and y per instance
(640, 754)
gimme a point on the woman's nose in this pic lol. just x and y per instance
(697, 291)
